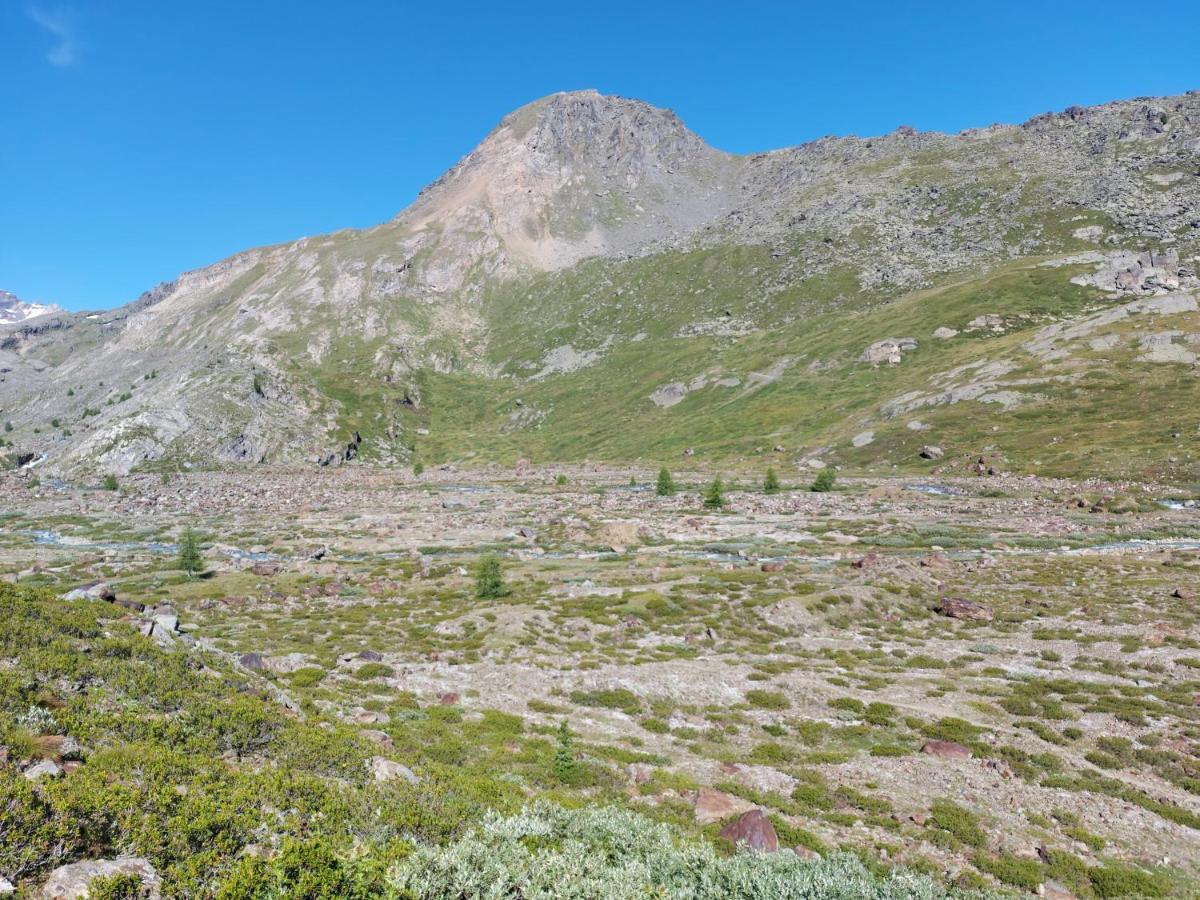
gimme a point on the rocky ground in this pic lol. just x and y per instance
(989, 678)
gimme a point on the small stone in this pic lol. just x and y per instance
(946, 750)
(389, 770)
(958, 608)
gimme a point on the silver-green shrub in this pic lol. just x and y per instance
(546, 852)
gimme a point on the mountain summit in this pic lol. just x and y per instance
(595, 280)
(568, 176)
(13, 309)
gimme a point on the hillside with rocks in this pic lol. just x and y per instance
(595, 281)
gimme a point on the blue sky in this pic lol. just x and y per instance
(142, 138)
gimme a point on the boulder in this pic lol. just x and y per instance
(958, 608)
(379, 738)
(69, 882)
(889, 350)
(931, 452)
(253, 661)
(713, 806)
(389, 770)
(97, 590)
(946, 750)
(265, 568)
(753, 830)
(47, 768)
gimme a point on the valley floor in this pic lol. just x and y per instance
(994, 681)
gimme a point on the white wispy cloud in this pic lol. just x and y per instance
(57, 22)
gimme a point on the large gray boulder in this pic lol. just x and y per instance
(69, 882)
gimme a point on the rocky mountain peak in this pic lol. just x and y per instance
(590, 128)
(14, 310)
(565, 177)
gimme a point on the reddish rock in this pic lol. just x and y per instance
(449, 698)
(958, 608)
(713, 806)
(754, 830)
(946, 750)
(1183, 594)
(866, 562)
(774, 565)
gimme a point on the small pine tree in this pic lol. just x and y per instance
(771, 482)
(632, 481)
(714, 497)
(258, 384)
(489, 579)
(418, 468)
(566, 766)
(190, 559)
(560, 480)
(110, 482)
(666, 484)
(823, 483)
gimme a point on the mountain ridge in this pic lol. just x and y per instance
(581, 231)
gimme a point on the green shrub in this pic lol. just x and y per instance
(373, 670)
(110, 482)
(307, 677)
(823, 483)
(553, 853)
(118, 886)
(609, 698)
(189, 558)
(665, 486)
(714, 496)
(761, 699)
(771, 482)
(489, 579)
(1023, 873)
(958, 822)
(1119, 880)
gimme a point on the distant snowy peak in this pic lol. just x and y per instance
(14, 310)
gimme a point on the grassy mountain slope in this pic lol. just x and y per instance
(592, 254)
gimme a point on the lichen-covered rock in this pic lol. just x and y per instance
(70, 882)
